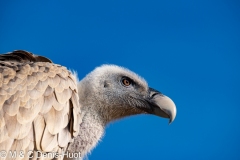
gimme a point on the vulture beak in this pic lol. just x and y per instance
(161, 105)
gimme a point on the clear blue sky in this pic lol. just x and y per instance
(189, 50)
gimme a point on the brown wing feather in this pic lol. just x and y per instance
(22, 56)
(39, 107)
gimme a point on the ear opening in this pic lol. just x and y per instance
(105, 84)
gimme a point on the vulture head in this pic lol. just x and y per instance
(116, 92)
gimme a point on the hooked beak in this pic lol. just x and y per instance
(161, 105)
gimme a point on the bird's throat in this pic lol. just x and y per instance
(90, 132)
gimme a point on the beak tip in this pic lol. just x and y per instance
(171, 120)
(173, 113)
(168, 107)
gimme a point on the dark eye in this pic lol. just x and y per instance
(126, 81)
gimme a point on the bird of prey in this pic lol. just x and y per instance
(45, 109)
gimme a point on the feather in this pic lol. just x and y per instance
(23, 85)
(66, 120)
(28, 113)
(54, 120)
(72, 84)
(41, 86)
(13, 127)
(58, 69)
(44, 79)
(20, 145)
(6, 145)
(58, 106)
(2, 92)
(41, 69)
(11, 107)
(39, 127)
(32, 79)
(66, 115)
(3, 134)
(12, 91)
(49, 90)
(23, 93)
(12, 83)
(17, 95)
(48, 103)
(53, 82)
(76, 111)
(2, 121)
(49, 141)
(31, 134)
(48, 65)
(24, 101)
(74, 100)
(21, 76)
(31, 86)
(24, 130)
(25, 69)
(2, 100)
(8, 74)
(1, 78)
(63, 97)
(64, 137)
(34, 93)
(63, 72)
(4, 87)
(24, 96)
(75, 120)
(18, 81)
(41, 76)
(24, 104)
(51, 74)
(59, 88)
(73, 76)
(35, 67)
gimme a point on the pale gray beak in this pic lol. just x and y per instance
(162, 105)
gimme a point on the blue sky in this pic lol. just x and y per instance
(188, 50)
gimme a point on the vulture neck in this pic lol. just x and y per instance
(90, 132)
(92, 127)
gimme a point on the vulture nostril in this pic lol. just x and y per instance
(154, 94)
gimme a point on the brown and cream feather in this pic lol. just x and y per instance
(38, 104)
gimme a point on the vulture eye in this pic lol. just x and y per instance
(126, 81)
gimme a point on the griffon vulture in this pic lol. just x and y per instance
(44, 109)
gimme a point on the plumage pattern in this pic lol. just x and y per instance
(38, 104)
